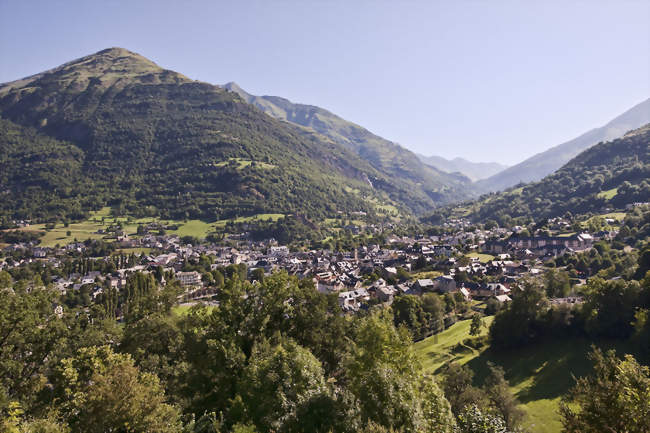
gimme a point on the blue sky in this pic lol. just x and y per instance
(497, 80)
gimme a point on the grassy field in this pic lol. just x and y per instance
(183, 310)
(483, 258)
(609, 194)
(102, 219)
(617, 216)
(538, 374)
(133, 250)
(425, 275)
(242, 163)
(59, 235)
(196, 228)
(87, 229)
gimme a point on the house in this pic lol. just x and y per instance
(189, 279)
(390, 270)
(403, 289)
(40, 253)
(498, 289)
(444, 284)
(425, 284)
(386, 293)
(351, 300)
(116, 282)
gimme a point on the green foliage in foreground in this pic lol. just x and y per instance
(615, 397)
(282, 358)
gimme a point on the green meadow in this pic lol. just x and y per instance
(102, 219)
(609, 194)
(539, 374)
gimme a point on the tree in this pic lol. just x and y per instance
(528, 305)
(474, 420)
(99, 391)
(497, 389)
(31, 336)
(407, 311)
(277, 382)
(257, 274)
(556, 283)
(384, 376)
(218, 278)
(476, 325)
(434, 311)
(457, 385)
(5, 280)
(614, 398)
(611, 307)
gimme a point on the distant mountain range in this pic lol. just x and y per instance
(113, 128)
(544, 163)
(473, 170)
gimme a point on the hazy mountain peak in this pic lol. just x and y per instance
(473, 170)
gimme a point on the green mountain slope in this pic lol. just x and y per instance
(428, 185)
(113, 128)
(545, 163)
(473, 170)
(611, 174)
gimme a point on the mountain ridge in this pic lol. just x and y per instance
(384, 155)
(148, 140)
(609, 175)
(546, 162)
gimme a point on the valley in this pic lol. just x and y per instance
(182, 257)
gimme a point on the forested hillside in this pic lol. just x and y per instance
(126, 133)
(612, 174)
(425, 184)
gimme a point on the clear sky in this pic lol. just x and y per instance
(485, 80)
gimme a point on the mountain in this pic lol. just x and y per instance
(402, 166)
(150, 141)
(608, 175)
(114, 128)
(473, 170)
(542, 164)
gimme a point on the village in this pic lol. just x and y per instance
(475, 264)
